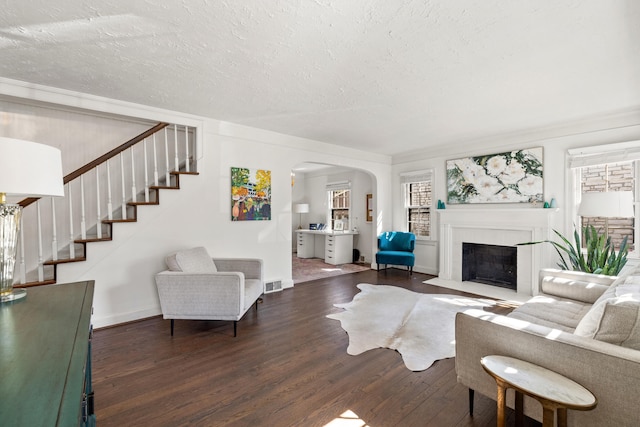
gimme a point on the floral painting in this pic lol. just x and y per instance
(512, 177)
(250, 194)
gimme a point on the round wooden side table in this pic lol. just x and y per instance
(552, 390)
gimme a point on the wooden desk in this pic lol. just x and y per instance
(45, 357)
(336, 247)
(551, 389)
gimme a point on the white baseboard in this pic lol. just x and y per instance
(425, 270)
(103, 322)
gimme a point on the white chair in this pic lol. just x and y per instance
(199, 287)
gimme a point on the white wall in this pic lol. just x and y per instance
(80, 135)
(556, 178)
(200, 213)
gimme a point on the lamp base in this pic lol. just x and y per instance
(9, 227)
(15, 294)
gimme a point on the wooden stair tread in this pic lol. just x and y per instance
(64, 261)
(183, 173)
(161, 187)
(30, 284)
(115, 221)
(143, 203)
(93, 239)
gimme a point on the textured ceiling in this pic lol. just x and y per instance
(382, 76)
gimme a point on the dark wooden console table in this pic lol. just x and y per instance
(45, 357)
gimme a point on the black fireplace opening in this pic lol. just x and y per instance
(490, 264)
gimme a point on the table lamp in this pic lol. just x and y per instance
(27, 169)
(607, 204)
(300, 208)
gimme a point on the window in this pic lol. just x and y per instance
(607, 168)
(339, 206)
(610, 177)
(417, 190)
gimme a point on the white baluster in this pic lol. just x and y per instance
(40, 256)
(98, 215)
(124, 197)
(23, 266)
(109, 204)
(54, 231)
(155, 162)
(166, 159)
(176, 160)
(134, 191)
(72, 248)
(186, 145)
(83, 222)
(146, 172)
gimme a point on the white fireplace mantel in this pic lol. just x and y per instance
(504, 227)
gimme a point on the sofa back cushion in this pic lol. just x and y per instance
(396, 241)
(573, 285)
(195, 260)
(616, 318)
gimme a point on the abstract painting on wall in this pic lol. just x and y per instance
(250, 194)
(511, 177)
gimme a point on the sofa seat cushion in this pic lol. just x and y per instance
(552, 312)
(395, 257)
(252, 291)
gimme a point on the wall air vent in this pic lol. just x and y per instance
(272, 286)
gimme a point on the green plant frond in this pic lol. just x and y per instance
(601, 257)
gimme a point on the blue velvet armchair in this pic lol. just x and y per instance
(396, 248)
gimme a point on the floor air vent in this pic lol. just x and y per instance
(272, 286)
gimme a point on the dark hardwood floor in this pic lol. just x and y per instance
(288, 366)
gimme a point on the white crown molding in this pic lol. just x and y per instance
(78, 100)
(617, 120)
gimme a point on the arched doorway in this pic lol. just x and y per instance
(310, 197)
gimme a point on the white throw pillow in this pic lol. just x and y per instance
(632, 280)
(615, 320)
(171, 262)
(627, 271)
(195, 260)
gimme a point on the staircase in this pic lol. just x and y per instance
(104, 192)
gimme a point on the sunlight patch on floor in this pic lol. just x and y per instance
(347, 419)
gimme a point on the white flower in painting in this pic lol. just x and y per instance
(471, 171)
(513, 173)
(496, 165)
(487, 186)
(530, 185)
(511, 196)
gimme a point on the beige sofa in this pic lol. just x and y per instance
(583, 326)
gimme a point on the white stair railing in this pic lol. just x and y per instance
(82, 209)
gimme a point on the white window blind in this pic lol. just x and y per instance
(413, 177)
(602, 154)
(336, 186)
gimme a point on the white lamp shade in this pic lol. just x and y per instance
(610, 204)
(301, 208)
(30, 169)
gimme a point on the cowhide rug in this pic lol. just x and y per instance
(421, 327)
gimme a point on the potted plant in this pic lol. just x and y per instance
(598, 256)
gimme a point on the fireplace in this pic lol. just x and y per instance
(490, 264)
(497, 227)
